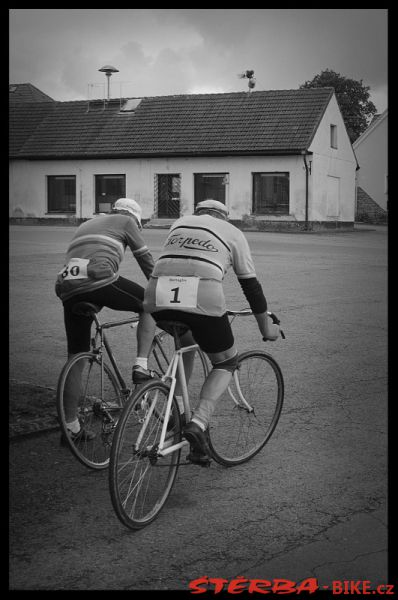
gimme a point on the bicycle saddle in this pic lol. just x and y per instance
(173, 327)
(85, 309)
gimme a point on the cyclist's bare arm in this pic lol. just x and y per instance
(269, 330)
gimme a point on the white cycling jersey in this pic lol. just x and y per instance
(189, 272)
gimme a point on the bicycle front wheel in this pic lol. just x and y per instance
(88, 384)
(248, 412)
(140, 479)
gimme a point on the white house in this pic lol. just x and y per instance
(371, 150)
(278, 159)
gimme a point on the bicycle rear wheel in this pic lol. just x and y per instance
(98, 407)
(248, 412)
(140, 480)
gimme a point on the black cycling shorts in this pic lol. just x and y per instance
(122, 294)
(212, 334)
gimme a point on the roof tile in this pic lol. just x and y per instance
(264, 122)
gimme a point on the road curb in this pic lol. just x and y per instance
(33, 426)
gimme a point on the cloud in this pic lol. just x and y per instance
(170, 51)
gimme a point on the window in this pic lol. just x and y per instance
(210, 186)
(108, 188)
(270, 193)
(333, 136)
(61, 193)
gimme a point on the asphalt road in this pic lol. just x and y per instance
(312, 504)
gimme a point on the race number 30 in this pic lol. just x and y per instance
(75, 269)
(177, 292)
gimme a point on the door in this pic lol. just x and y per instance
(333, 197)
(168, 196)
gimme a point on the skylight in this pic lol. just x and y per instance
(130, 105)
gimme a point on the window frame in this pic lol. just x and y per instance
(97, 176)
(223, 175)
(50, 191)
(333, 136)
(263, 211)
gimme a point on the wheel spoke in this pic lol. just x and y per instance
(246, 415)
(99, 403)
(138, 488)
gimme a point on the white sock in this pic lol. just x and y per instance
(74, 426)
(180, 403)
(194, 420)
(141, 362)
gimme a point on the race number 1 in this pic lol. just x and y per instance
(177, 292)
(75, 269)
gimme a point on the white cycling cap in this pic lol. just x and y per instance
(130, 205)
(212, 205)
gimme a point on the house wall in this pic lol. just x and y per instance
(333, 171)
(331, 184)
(371, 150)
(28, 191)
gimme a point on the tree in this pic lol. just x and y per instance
(352, 97)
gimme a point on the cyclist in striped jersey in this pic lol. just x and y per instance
(91, 274)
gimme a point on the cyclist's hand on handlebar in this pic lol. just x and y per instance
(273, 332)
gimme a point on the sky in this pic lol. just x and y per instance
(189, 51)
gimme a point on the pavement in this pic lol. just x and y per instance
(32, 409)
(313, 505)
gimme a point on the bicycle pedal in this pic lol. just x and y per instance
(202, 462)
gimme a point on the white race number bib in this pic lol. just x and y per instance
(177, 292)
(75, 269)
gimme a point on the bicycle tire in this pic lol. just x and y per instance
(235, 434)
(98, 410)
(140, 481)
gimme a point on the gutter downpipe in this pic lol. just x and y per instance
(307, 171)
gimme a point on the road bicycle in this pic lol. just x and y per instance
(103, 390)
(147, 443)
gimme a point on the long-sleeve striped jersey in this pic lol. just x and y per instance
(95, 252)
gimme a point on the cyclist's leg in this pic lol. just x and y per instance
(77, 328)
(217, 381)
(126, 295)
(215, 338)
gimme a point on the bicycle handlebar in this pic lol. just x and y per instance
(276, 321)
(245, 312)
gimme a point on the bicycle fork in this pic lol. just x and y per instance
(241, 401)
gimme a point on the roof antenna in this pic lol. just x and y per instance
(108, 70)
(249, 74)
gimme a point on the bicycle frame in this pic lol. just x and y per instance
(100, 331)
(103, 342)
(175, 368)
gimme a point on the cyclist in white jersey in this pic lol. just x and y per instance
(186, 285)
